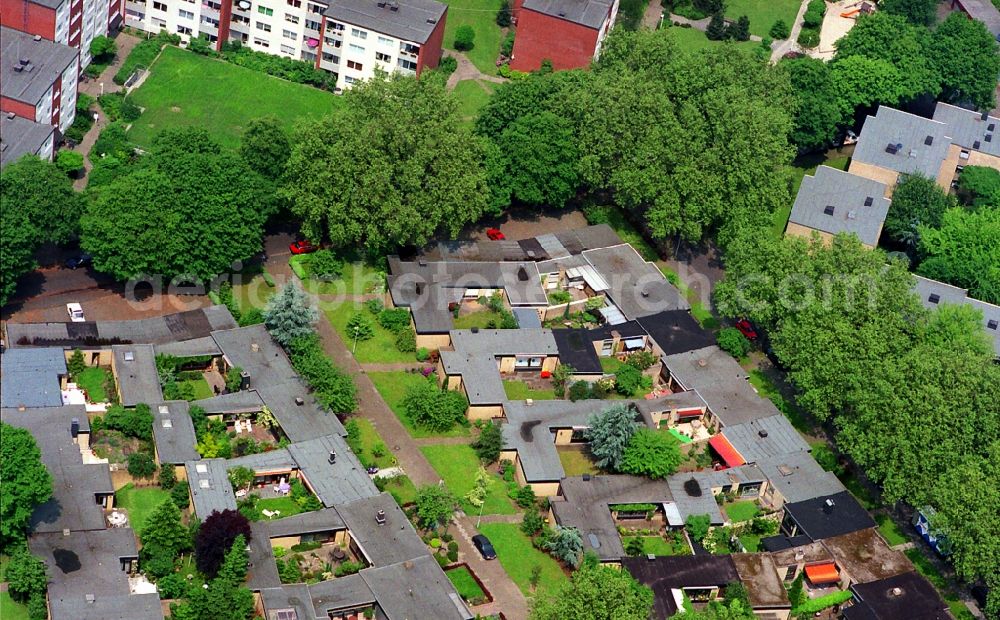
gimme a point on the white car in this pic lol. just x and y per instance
(75, 312)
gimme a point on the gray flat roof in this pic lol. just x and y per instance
(798, 477)
(173, 432)
(190, 348)
(31, 377)
(75, 485)
(21, 137)
(721, 382)
(136, 374)
(294, 596)
(170, 328)
(558, 245)
(299, 422)
(324, 520)
(409, 20)
(866, 556)
(991, 321)
(836, 202)
(638, 288)
(270, 461)
(764, 438)
(210, 487)
(967, 127)
(343, 481)
(341, 593)
(47, 61)
(589, 13)
(694, 498)
(474, 358)
(244, 401)
(415, 588)
(908, 134)
(88, 564)
(389, 543)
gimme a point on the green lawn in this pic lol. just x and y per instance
(519, 390)
(253, 294)
(187, 90)
(480, 319)
(802, 166)
(379, 349)
(750, 542)
(472, 95)
(481, 15)
(694, 40)
(392, 386)
(92, 381)
(763, 13)
(657, 545)
(12, 610)
(576, 462)
(139, 503)
(457, 466)
(742, 511)
(369, 439)
(402, 490)
(678, 436)
(466, 585)
(518, 557)
(889, 530)
(358, 278)
(200, 387)
(285, 505)
(610, 365)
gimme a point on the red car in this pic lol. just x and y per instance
(746, 328)
(494, 234)
(302, 247)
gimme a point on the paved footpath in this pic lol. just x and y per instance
(507, 596)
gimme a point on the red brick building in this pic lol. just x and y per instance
(38, 79)
(567, 32)
(70, 22)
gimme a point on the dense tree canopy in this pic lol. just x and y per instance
(964, 251)
(979, 186)
(917, 201)
(188, 208)
(266, 147)
(26, 482)
(967, 57)
(819, 109)
(651, 453)
(922, 12)
(390, 167)
(215, 537)
(596, 592)
(609, 434)
(541, 159)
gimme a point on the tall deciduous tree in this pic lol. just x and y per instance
(921, 12)
(979, 186)
(266, 147)
(651, 453)
(290, 315)
(542, 159)
(18, 242)
(609, 435)
(216, 536)
(26, 576)
(26, 482)
(42, 192)
(596, 592)
(917, 201)
(392, 166)
(964, 251)
(967, 58)
(189, 209)
(819, 110)
(435, 504)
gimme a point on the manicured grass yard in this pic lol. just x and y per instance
(465, 583)
(379, 349)
(253, 294)
(11, 609)
(284, 505)
(480, 319)
(457, 466)
(201, 388)
(402, 490)
(519, 390)
(92, 381)
(763, 13)
(750, 542)
(139, 503)
(369, 439)
(742, 511)
(610, 365)
(657, 545)
(187, 90)
(694, 40)
(472, 95)
(481, 15)
(392, 386)
(518, 557)
(889, 530)
(576, 462)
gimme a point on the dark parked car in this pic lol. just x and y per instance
(80, 260)
(484, 546)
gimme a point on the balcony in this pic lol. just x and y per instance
(209, 11)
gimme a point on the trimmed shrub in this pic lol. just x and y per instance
(394, 319)
(579, 391)
(448, 65)
(324, 265)
(733, 342)
(465, 38)
(69, 162)
(406, 341)
(780, 30)
(359, 327)
(809, 37)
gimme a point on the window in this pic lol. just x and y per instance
(183, 29)
(309, 57)
(407, 64)
(356, 48)
(288, 34)
(159, 6)
(210, 21)
(359, 34)
(335, 27)
(527, 362)
(291, 19)
(287, 49)
(328, 57)
(357, 66)
(261, 42)
(263, 10)
(409, 48)
(185, 14)
(314, 8)
(241, 19)
(349, 80)
(379, 56)
(384, 41)
(311, 25)
(263, 26)
(295, 3)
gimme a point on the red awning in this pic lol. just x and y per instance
(820, 574)
(690, 413)
(726, 450)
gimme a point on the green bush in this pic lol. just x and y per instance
(359, 327)
(141, 465)
(324, 265)
(347, 568)
(69, 161)
(629, 380)
(452, 555)
(394, 319)
(333, 388)
(167, 478)
(559, 297)
(733, 342)
(504, 15)
(406, 341)
(82, 123)
(465, 38)
(809, 37)
(84, 102)
(820, 603)
(143, 55)
(103, 48)
(630, 13)
(135, 422)
(507, 45)
(268, 279)
(298, 266)
(285, 68)
(448, 65)
(780, 30)
(579, 390)
(113, 142)
(180, 494)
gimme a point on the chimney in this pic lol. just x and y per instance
(74, 427)
(245, 380)
(422, 262)
(474, 330)
(586, 477)
(650, 557)
(762, 433)
(10, 116)
(17, 69)
(299, 401)
(65, 532)
(38, 37)
(90, 598)
(897, 591)
(380, 517)
(985, 116)
(24, 61)
(332, 458)
(529, 402)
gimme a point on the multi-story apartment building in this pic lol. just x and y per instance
(20, 137)
(569, 33)
(70, 22)
(350, 38)
(38, 78)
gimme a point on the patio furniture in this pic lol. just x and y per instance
(241, 493)
(117, 519)
(338, 554)
(284, 487)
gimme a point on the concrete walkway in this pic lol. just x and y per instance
(780, 48)
(654, 13)
(467, 71)
(507, 596)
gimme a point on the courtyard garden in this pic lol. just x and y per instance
(519, 558)
(139, 503)
(392, 386)
(378, 348)
(457, 466)
(481, 16)
(96, 382)
(466, 585)
(763, 13)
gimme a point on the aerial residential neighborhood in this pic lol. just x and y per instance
(500, 309)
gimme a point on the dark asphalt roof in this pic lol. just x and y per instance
(759, 576)
(173, 432)
(409, 20)
(903, 597)
(393, 541)
(342, 592)
(589, 13)
(576, 349)
(415, 588)
(47, 60)
(834, 201)
(30, 377)
(334, 484)
(664, 573)
(781, 542)
(676, 331)
(638, 288)
(558, 245)
(818, 520)
(20, 137)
